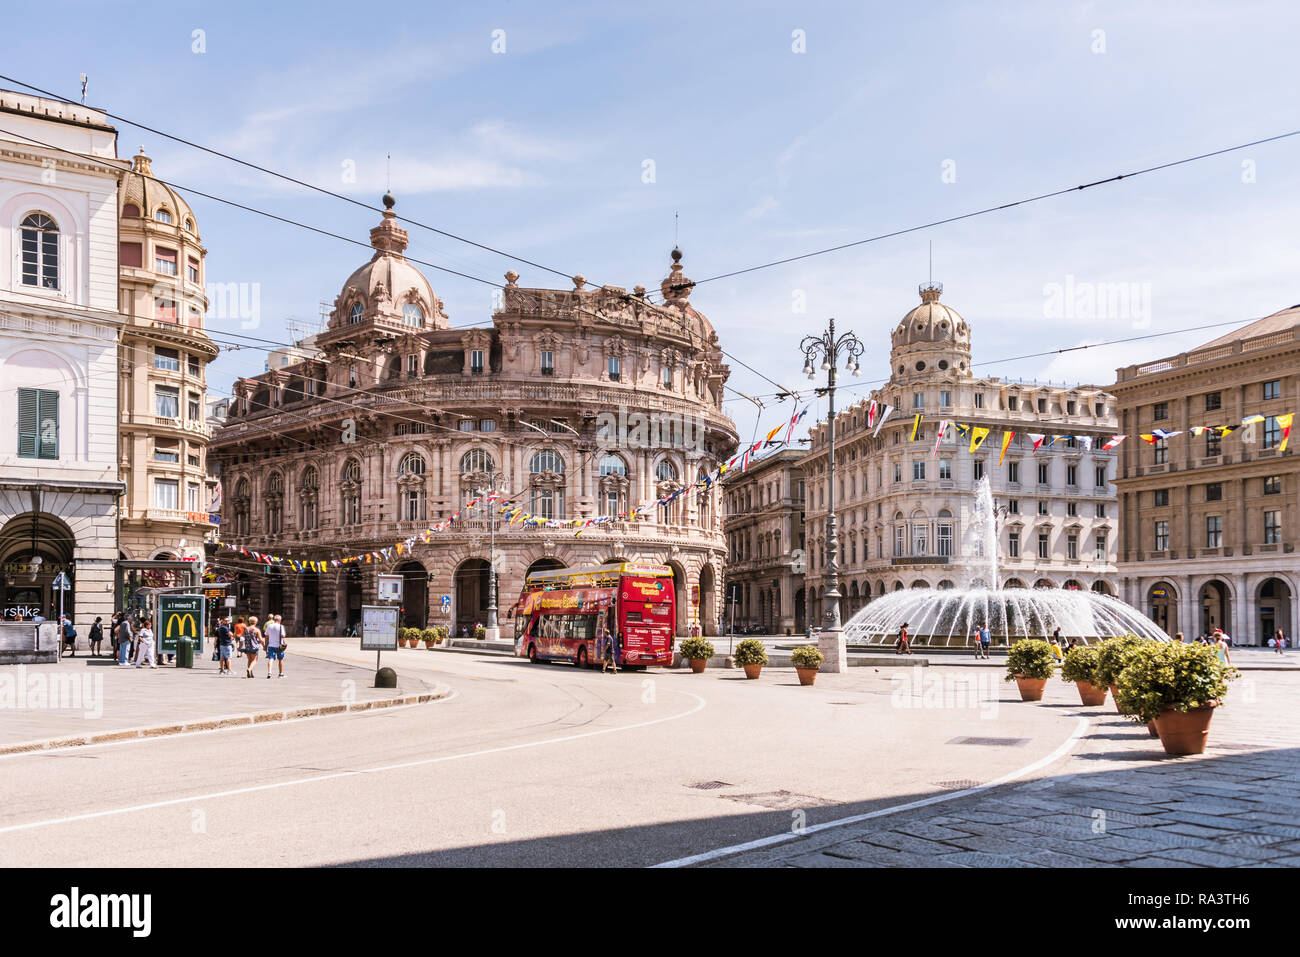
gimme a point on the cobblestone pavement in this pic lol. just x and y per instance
(1115, 801)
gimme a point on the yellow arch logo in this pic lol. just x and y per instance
(179, 621)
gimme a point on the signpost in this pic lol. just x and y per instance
(446, 604)
(179, 616)
(379, 629)
(61, 584)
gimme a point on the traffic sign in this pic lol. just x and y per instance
(61, 582)
(446, 604)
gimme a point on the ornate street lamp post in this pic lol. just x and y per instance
(828, 349)
(491, 631)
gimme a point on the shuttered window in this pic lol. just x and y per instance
(38, 424)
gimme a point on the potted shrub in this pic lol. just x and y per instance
(1111, 655)
(403, 637)
(698, 652)
(1178, 687)
(807, 659)
(1030, 663)
(751, 654)
(440, 632)
(1080, 666)
(429, 636)
(480, 632)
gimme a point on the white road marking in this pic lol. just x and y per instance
(253, 789)
(783, 838)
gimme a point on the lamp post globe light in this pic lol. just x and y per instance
(828, 349)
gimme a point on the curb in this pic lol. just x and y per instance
(214, 724)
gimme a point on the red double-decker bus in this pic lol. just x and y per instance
(571, 614)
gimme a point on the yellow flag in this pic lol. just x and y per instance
(916, 426)
(1007, 436)
(977, 436)
(1285, 421)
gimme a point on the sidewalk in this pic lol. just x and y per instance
(86, 700)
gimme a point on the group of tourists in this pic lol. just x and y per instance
(247, 638)
(131, 639)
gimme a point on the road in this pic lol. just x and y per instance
(526, 765)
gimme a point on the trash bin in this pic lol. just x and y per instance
(184, 653)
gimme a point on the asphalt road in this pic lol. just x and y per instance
(527, 765)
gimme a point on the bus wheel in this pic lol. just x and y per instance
(582, 657)
(532, 654)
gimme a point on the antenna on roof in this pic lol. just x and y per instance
(84, 81)
(675, 243)
(388, 186)
(932, 262)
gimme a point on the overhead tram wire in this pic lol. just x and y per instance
(1003, 206)
(287, 178)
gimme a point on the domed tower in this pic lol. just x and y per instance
(164, 354)
(932, 338)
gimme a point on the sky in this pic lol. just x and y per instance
(590, 137)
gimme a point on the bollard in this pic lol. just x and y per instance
(385, 678)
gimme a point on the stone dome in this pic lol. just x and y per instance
(676, 291)
(148, 196)
(933, 337)
(389, 288)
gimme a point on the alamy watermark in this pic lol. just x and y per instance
(44, 690)
(651, 430)
(1105, 301)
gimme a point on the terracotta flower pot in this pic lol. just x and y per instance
(1031, 689)
(1090, 694)
(752, 671)
(1151, 729)
(806, 675)
(1114, 696)
(430, 644)
(1185, 732)
(697, 664)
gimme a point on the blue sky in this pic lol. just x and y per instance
(762, 152)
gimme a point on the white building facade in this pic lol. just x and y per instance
(59, 329)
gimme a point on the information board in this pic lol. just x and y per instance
(378, 628)
(178, 616)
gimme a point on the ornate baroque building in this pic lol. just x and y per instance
(766, 558)
(577, 402)
(1208, 522)
(59, 325)
(163, 433)
(904, 512)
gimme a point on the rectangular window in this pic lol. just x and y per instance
(1273, 485)
(1042, 473)
(918, 400)
(1013, 506)
(918, 470)
(1044, 545)
(548, 363)
(978, 469)
(1072, 476)
(38, 424)
(1013, 544)
(900, 541)
(1213, 444)
(1272, 432)
(194, 407)
(1013, 404)
(1213, 401)
(167, 402)
(1013, 473)
(668, 377)
(465, 425)
(1072, 547)
(945, 470)
(1213, 531)
(898, 471)
(476, 362)
(1272, 528)
(169, 360)
(945, 399)
(192, 497)
(979, 400)
(1161, 542)
(1042, 405)
(945, 540)
(192, 365)
(615, 368)
(487, 425)
(165, 493)
(1099, 550)
(1161, 451)
(1160, 497)
(1273, 390)
(1160, 411)
(1214, 491)
(130, 254)
(1072, 509)
(192, 271)
(1101, 510)
(164, 310)
(1042, 507)
(412, 365)
(1099, 474)
(1070, 407)
(164, 261)
(165, 451)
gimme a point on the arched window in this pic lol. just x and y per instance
(413, 315)
(354, 316)
(412, 464)
(612, 465)
(476, 460)
(613, 485)
(308, 491)
(665, 471)
(40, 251)
(350, 493)
(943, 534)
(189, 225)
(546, 460)
(274, 503)
(162, 215)
(242, 498)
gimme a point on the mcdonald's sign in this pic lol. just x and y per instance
(179, 616)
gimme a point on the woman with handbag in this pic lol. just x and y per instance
(252, 644)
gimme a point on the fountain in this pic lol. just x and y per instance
(945, 617)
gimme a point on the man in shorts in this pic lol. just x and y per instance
(986, 639)
(275, 644)
(225, 646)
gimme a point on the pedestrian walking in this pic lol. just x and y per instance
(975, 639)
(1221, 647)
(275, 644)
(901, 647)
(96, 636)
(611, 652)
(225, 646)
(144, 645)
(69, 634)
(1279, 641)
(124, 636)
(252, 644)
